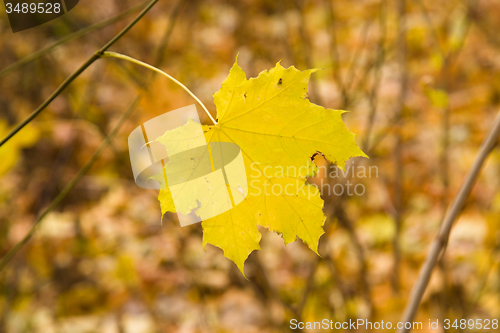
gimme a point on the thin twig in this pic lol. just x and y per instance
(347, 224)
(445, 140)
(64, 154)
(483, 282)
(266, 289)
(305, 49)
(431, 27)
(96, 26)
(441, 239)
(168, 32)
(445, 81)
(351, 72)
(481, 23)
(5, 260)
(107, 141)
(308, 288)
(73, 76)
(373, 96)
(334, 53)
(398, 184)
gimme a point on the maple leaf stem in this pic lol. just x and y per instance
(153, 68)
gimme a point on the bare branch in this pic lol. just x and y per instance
(441, 239)
(73, 76)
(379, 60)
(5, 260)
(398, 187)
(35, 55)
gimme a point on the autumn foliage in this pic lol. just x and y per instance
(318, 84)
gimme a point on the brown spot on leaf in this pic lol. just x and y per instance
(316, 154)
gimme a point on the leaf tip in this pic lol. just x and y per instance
(241, 267)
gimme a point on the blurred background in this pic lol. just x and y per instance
(422, 86)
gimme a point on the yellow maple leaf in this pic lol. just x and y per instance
(278, 130)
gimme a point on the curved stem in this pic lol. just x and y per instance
(143, 64)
